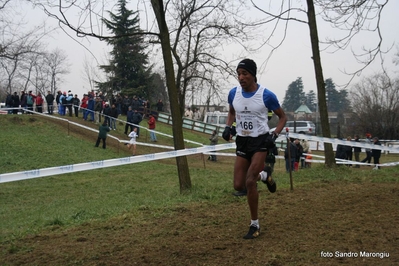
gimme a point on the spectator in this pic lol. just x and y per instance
(356, 151)
(58, 102)
(129, 120)
(102, 135)
(30, 100)
(151, 125)
(271, 157)
(23, 101)
(9, 103)
(76, 104)
(118, 103)
(214, 138)
(298, 155)
(83, 105)
(98, 107)
(136, 119)
(376, 153)
(188, 113)
(340, 152)
(69, 102)
(368, 150)
(107, 114)
(348, 150)
(90, 107)
(113, 116)
(269, 115)
(136, 104)
(160, 106)
(147, 107)
(50, 102)
(63, 103)
(39, 103)
(15, 102)
(132, 142)
(290, 158)
(308, 162)
(305, 146)
(126, 104)
(196, 115)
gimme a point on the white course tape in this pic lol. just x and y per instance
(36, 173)
(65, 169)
(343, 142)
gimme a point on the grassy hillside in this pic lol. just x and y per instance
(137, 192)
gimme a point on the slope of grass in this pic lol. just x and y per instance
(29, 206)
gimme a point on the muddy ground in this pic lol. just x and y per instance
(328, 223)
(316, 225)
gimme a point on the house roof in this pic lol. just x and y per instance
(303, 109)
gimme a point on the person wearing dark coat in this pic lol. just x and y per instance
(129, 120)
(107, 114)
(136, 119)
(50, 102)
(356, 151)
(293, 155)
(376, 153)
(271, 157)
(9, 103)
(15, 100)
(114, 115)
(76, 104)
(102, 135)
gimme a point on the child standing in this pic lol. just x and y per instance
(102, 135)
(132, 142)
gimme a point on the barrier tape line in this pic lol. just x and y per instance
(206, 149)
(65, 169)
(110, 135)
(343, 142)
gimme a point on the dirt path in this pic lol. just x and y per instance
(303, 227)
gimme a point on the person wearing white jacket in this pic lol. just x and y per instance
(132, 142)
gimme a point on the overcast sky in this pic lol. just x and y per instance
(290, 61)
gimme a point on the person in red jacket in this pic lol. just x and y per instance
(39, 102)
(83, 105)
(151, 126)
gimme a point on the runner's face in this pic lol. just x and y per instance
(245, 78)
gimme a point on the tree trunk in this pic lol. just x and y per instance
(178, 138)
(321, 91)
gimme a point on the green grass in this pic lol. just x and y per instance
(30, 206)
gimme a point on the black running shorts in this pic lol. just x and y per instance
(248, 146)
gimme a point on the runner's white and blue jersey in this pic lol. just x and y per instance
(251, 110)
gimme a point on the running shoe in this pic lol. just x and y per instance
(271, 185)
(253, 232)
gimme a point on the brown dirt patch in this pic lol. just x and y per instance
(296, 227)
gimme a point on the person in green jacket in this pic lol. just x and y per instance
(102, 134)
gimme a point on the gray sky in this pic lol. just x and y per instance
(290, 61)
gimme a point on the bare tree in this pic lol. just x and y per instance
(19, 48)
(91, 73)
(57, 63)
(198, 28)
(376, 106)
(39, 76)
(182, 164)
(351, 17)
(199, 31)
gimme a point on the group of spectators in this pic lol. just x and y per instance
(24, 102)
(297, 152)
(345, 152)
(196, 115)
